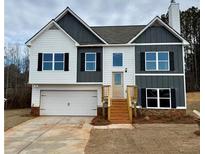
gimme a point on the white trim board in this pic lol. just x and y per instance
(133, 44)
(163, 24)
(181, 107)
(160, 74)
(79, 19)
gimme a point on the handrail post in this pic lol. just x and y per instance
(109, 103)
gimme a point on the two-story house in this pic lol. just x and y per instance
(70, 62)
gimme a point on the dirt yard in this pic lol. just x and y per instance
(193, 102)
(144, 139)
(15, 117)
(149, 138)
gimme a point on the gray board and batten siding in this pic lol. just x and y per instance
(176, 58)
(79, 32)
(173, 82)
(156, 34)
(89, 76)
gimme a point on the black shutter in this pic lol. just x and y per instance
(82, 61)
(142, 61)
(98, 62)
(143, 97)
(39, 62)
(171, 61)
(173, 98)
(66, 62)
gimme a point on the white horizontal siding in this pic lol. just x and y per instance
(53, 41)
(128, 62)
(36, 89)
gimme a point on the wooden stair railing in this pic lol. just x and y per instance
(106, 98)
(132, 97)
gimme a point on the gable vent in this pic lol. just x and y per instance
(53, 27)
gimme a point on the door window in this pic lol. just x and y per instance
(118, 78)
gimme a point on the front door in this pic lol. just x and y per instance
(117, 85)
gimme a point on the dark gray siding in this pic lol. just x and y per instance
(176, 82)
(83, 76)
(77, 30)
(178, 57)
(156, 34)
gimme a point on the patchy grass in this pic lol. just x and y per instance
(14, 117)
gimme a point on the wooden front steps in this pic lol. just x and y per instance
(119, 112)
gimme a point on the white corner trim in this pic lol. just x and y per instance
(181, 107)
(159, 74)
(183, 56)
(45, 28)
(79, 19)
(168, 27)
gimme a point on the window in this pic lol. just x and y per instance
(157, 61)
(59, 61)
(117, 59)
(47, 61)
(53, 61)
(117, 78)
(90, 61)
(158, 98)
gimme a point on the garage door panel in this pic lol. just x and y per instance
(68, 103)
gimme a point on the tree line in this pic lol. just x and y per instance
(17, 91)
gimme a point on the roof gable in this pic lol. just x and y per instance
(52, 25)
(77, 28)
(171, 35)
(156, 33)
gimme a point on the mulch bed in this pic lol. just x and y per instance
(99, 121)
(187, 119)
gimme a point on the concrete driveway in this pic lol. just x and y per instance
(49, 135)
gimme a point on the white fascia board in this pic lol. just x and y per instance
(133, 44)
(79, 19)
(168, 27)
(45, 28)
(159, 74)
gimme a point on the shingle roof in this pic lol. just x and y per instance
(118, 34)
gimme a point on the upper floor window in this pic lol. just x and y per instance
(90, 61)
(58, 61)
(47, 61)
(53, 61)
(117, 59)
(157, 61)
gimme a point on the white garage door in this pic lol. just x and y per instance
(68, 103)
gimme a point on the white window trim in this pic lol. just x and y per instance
(113, 58)
(157, 61)
(53, 61)
(158, 99)
(90, 61)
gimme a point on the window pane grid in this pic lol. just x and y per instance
(53, 61)
(90, 61)
(162, 102)
(157, 61)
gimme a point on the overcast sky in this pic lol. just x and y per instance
(23, 18)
